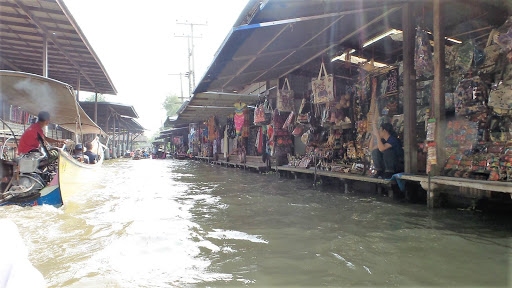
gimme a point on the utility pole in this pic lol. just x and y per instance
(191, 64)
(181, 85)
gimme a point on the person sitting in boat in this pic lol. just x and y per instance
(78, 152)
(91, 156)
(29, 141)
(387, 156)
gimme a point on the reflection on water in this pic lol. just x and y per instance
(168, 223)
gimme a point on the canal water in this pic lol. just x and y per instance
(171, 223)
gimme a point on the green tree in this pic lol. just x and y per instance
(171, 104)
(101, 98)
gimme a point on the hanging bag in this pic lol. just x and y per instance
(262, 114)
(259, 114)
(285, 101)
(288, 121)
(323, 87)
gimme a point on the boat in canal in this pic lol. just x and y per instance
(31, 179)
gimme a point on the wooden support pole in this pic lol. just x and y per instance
(96, 107)
(439, 66)
(78, 86)
(410, 145)
(114, 148)
(45, 57)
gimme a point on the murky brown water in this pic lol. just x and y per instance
(168, 223)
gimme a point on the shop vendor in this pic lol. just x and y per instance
(388, 155)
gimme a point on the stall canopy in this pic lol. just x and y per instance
(24, 24)
(125, 116)
(34, 93)
(172, 132)
(206, 104)
(276, 37)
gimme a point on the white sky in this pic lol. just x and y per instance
(135, 42)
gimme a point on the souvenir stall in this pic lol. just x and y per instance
(333, 117)
(274, 126)
(193, 139)
(478, 136)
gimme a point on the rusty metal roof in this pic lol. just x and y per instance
(23, 26)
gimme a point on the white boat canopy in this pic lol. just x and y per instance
(35, 93)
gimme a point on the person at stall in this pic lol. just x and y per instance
(388, 155)
(91, 156)
(30, 140)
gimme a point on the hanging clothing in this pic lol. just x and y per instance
(240, 109)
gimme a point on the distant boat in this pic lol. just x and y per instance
(28, 181)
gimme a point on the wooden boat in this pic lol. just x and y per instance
(29, 184)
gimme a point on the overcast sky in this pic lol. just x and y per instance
(135, 42)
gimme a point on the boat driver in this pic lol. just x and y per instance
(29, 141)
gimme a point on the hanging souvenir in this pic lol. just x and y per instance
(297, 131)
(392, 78)
(323, 87)
(288, 121)
(278, 119)
(239, 117)
(503, 37)
(501, 101)
(492, 54)
(262, 114)
(471, 97)
(247, 124)
(285, 101)
(423, 61)
(373, 115)
(231, 129)
(465, 57)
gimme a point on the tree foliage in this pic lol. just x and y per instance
(171, 105)
(101, 98)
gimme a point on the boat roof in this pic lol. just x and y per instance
(23, 26)
(35, 93)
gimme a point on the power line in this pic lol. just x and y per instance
(191, 64)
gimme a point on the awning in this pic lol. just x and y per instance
(206, 104)
(125, 112)
(23, 26)
(171, 132)
(34, 93)
(277, 37)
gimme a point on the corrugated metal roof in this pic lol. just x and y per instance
(206, 104)
(23, 26)
(277, 37)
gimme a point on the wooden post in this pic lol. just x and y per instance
(114, 155)
(78, 86)
(410, 145)
(45, 57)
(128, 140)
(96, 107)
(439, 66)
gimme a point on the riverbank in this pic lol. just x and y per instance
(455, 193)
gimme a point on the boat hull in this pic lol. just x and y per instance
(50, 195)
(70, 178)
(73, 174)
